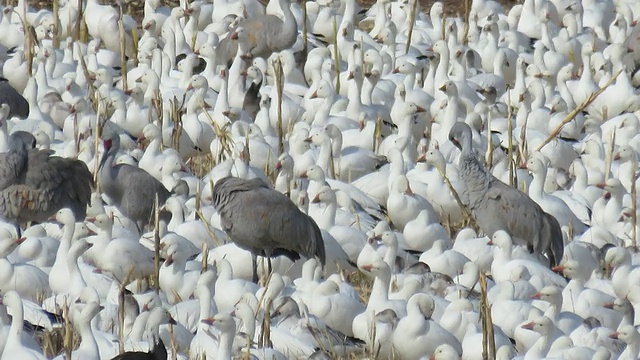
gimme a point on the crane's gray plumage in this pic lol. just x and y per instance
(35, 185)
(13, 163)
(131, 189)
(498, 206)
(18, 105)
(267, 34)
(264, 221)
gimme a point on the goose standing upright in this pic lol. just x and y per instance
(14, 349)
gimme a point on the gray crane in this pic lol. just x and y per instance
(265, 222)
(498, 206)
(13, 163)
(267, 34)
(131, 189)
(35, 184)
(18, 105)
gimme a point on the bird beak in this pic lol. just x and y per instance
(90, 219)
(558, 269)
(490, 242)
(396, 70)
(420, 109)
(608, 305)
(536, 296)
(316, 199)
(303, 175)
(443, 88)
(169, 260)
(314, 95)
(279, 165)
(367, 267)
(616, 156)
(234, 36)
(308, 140)
(189, 87)
(350, 76)
(614, 335)
(601, 185)
(172, 321)
(529, 326)
(208, 321)
(409, 191)
(21, 240)
(421, 158)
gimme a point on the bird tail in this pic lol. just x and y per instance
(555, 249)
(316, 243)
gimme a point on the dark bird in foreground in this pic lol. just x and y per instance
(265, 222)
(131, 189)
(34, 185)
(18, 105)
(498, 206)
(159, 352)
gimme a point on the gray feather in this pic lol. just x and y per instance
(264, 221)
(497, 206)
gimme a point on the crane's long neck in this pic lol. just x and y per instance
(478, 178)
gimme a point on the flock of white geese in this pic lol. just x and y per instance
(355, 130)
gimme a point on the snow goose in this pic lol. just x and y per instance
(506, 257)
(14, 345)
(444, 260)
(628, 166)
(623, 272)
(629, 334)
(88, 348)
(565, 321)
(624, 307)
(378, 301)
(336, 309)
(584, 301)
(288, 317)
(548, 335)
(418, 328)
(350, 239)
(118, 256)
(550, 203)
(421, 233)
(606, 210)
(439, 193)
(403, 205)
(175, 280)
